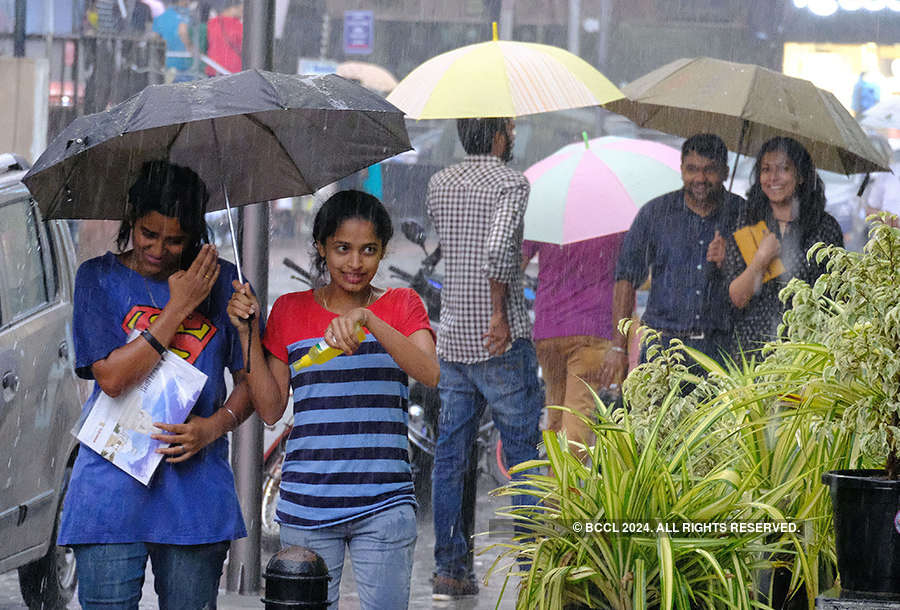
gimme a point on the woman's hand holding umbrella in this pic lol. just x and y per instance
(242, 307)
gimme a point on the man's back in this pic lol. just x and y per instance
(477, 207)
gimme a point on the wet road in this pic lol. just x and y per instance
(420, 596)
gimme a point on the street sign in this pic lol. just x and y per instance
(358, 32)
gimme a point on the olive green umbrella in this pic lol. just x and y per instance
(746, 105)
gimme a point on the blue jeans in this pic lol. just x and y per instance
(509, 384)
(186, 577)
(381, 551)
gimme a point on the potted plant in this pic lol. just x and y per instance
(848, 324)
(703, 456)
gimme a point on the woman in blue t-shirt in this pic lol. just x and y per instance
(346, 481)
(172, 289)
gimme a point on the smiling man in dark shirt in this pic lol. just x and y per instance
(676, 238)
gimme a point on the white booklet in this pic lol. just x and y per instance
(119, 428)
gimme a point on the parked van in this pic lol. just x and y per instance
(40, 396)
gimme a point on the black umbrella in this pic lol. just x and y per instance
(252, 136)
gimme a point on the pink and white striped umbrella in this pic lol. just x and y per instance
(596, 187)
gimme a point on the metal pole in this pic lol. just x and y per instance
(603, 34)
(507, 19)
(243, 573)
(575, 27)
(19, 30)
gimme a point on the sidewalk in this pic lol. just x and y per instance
(420, 590)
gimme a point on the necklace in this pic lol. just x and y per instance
(368, 301)
(128, 261)
(150, 293)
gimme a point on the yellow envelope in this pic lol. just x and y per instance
(748, 239)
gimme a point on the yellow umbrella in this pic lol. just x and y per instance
(501, 78)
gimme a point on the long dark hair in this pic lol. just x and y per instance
(342, 206)
(173, 191)
(810, 190)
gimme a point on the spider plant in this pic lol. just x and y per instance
(721, 449)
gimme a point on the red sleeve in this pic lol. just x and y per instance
(413, 315)
(274, 338)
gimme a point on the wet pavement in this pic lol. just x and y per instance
(420, 594)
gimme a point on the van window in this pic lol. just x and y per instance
(21, 260)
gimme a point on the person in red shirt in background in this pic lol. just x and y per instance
(225, 36)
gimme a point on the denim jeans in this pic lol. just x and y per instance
(509, 384)
(381, 551)
(186, 577)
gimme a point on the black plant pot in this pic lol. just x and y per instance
(866, 521)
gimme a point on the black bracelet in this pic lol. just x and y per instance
(146, 334)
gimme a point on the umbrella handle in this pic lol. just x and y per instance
(237, 256)
(249, 322)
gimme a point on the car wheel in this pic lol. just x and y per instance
(49, 583)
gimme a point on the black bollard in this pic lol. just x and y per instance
(296, 579)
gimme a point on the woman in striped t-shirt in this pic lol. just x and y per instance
(346, 481)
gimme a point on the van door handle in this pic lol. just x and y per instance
(10, 383)
(63, 350)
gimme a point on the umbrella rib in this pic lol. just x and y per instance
(65, 182)
(174, 138)
(269, 130)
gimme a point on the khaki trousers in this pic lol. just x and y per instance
(567, 363)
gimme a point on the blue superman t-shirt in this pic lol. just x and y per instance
(193, 502)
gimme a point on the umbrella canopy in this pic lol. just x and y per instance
(501, 78)
(260, 135)
(595, 188)
(883, 115)
(370, 76)
(746, 105)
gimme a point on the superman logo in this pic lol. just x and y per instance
(192, 336)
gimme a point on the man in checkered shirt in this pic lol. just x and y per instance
(484, 342)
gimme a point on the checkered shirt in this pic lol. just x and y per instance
(477, 207)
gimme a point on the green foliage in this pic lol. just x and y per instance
(744, 443)
(731, 446)
(845, 330)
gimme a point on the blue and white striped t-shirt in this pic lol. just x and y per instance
(347, 454)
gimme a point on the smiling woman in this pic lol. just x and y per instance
(346, 480)
(172, 288)
(785, 215)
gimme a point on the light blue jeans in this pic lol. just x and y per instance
(381, 551)
(510, 385)
(186, 577)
